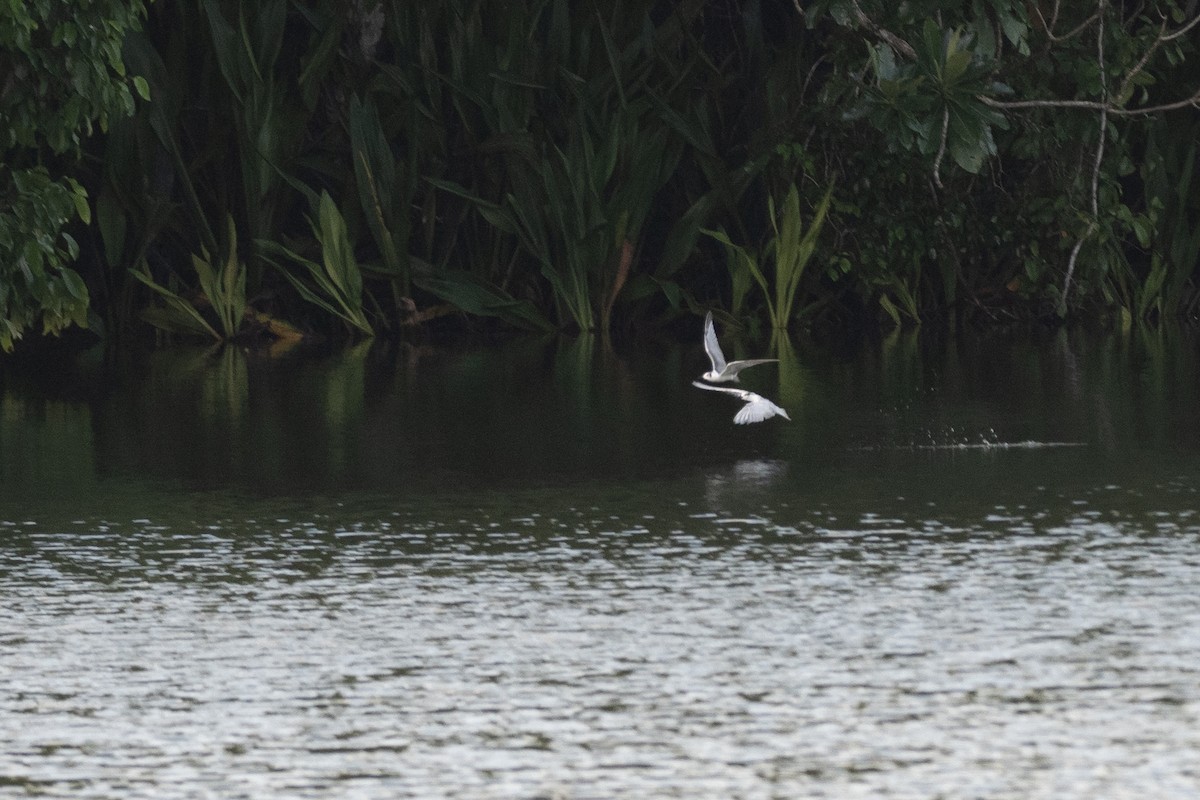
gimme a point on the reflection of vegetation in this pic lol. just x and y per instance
(218, 416)
(792, 388)
(901, 356)
(46, 443)
(559, 409)
(342, 406)
(224, 390)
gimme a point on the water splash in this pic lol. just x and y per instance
(988, 440)
(952, 439)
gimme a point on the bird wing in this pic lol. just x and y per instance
(710, 345)
(757, 409)
(734, 367)
(741, 394)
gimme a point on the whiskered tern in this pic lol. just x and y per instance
(757, 407)
(723, 371)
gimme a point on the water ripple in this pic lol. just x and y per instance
(586, 653)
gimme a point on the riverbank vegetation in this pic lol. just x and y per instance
(286, 169)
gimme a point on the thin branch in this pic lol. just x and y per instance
(1145, 59)
(1062, 301)
(1092, 105)
(1162, 37)
(808, 78)
(999, 37)
(1049, 27)
(1103, 118)
(937, 162)
(1096, 165)
(898, 44)
(1137, 12)
(1175, 35)
(1053, 17)
(1078, 29)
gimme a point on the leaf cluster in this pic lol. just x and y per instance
(61, 76)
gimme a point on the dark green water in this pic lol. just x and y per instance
(967, 568)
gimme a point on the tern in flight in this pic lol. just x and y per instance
(757, 407)
(722, 371)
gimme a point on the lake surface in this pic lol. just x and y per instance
(969, 567)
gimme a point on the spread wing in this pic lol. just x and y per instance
(734, 367)
(710, 345)
(758, 409)
(740, 394)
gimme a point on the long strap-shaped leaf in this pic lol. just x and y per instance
(186, 315)
(338, 276)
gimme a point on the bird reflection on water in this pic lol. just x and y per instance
(745, 478)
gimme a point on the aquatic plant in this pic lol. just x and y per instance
(546, 164)
(788, 251)
(222, 290)
(333, 284)
(384, 190)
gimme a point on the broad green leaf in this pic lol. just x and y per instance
(74, 284)
(466, 292)
(1015, 30)
(956, 64)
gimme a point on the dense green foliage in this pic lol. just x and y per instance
(63, 76)
(555, 165)
(1055, 115)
